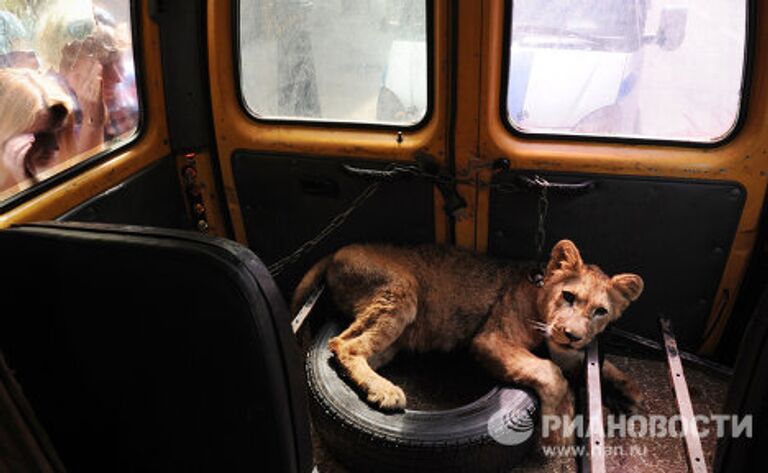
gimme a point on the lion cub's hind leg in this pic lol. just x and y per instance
(371, 336)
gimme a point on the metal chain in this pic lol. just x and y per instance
(280, 265)
(540, 236)
(394, 172)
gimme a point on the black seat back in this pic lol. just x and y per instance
(152, 350)
(748, 396)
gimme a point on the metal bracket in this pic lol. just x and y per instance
(305, 310)
(596, 447)
(696, 460)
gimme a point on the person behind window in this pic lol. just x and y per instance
(37, 126)
(120, 94)
(59, 23)
(92, 53)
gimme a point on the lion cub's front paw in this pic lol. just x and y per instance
(558, 420)
(386, 396)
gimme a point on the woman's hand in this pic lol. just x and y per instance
(84, 73)
(13, 159)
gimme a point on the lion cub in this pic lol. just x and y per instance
(435, 298)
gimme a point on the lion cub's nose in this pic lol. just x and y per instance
(572, 336)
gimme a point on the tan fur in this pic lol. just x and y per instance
(436, 298)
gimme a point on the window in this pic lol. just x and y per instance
(67, 86)
(652, 69)
(351, 61)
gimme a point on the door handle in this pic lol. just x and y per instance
(538, 183)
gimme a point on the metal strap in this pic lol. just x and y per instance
(595, 410)
(305, 310)
(696, 460)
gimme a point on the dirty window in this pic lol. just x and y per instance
(358, 61)
(67, 86)
(651, 69)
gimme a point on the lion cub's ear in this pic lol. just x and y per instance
(565, 256)
(629, 285)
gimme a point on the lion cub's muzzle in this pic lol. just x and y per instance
(569, 337)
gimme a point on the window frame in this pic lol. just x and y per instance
(336, 124)
(746, 85)
(99, 157)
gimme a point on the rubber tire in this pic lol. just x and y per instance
(455, 440)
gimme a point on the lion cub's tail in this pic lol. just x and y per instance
(308, 283)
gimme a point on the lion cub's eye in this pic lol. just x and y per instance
(600, 311)
(569, 297)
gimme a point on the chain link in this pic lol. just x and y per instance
(536, 277)
(541, 230)
(280, 265)
(391, 172)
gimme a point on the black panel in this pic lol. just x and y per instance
(286, 201)
(152, 197)
(675, 234)
(183, 47)
(146, 350)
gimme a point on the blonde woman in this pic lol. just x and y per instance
(82, 42)
(59, 23)
(37, 125)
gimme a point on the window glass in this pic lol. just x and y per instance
(67, 86)
(655, 69)
(359, 61)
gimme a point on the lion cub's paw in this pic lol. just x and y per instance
(559, 431)
(386, 396)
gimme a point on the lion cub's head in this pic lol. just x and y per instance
(578, 300)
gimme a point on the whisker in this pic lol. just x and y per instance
(539, 326)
